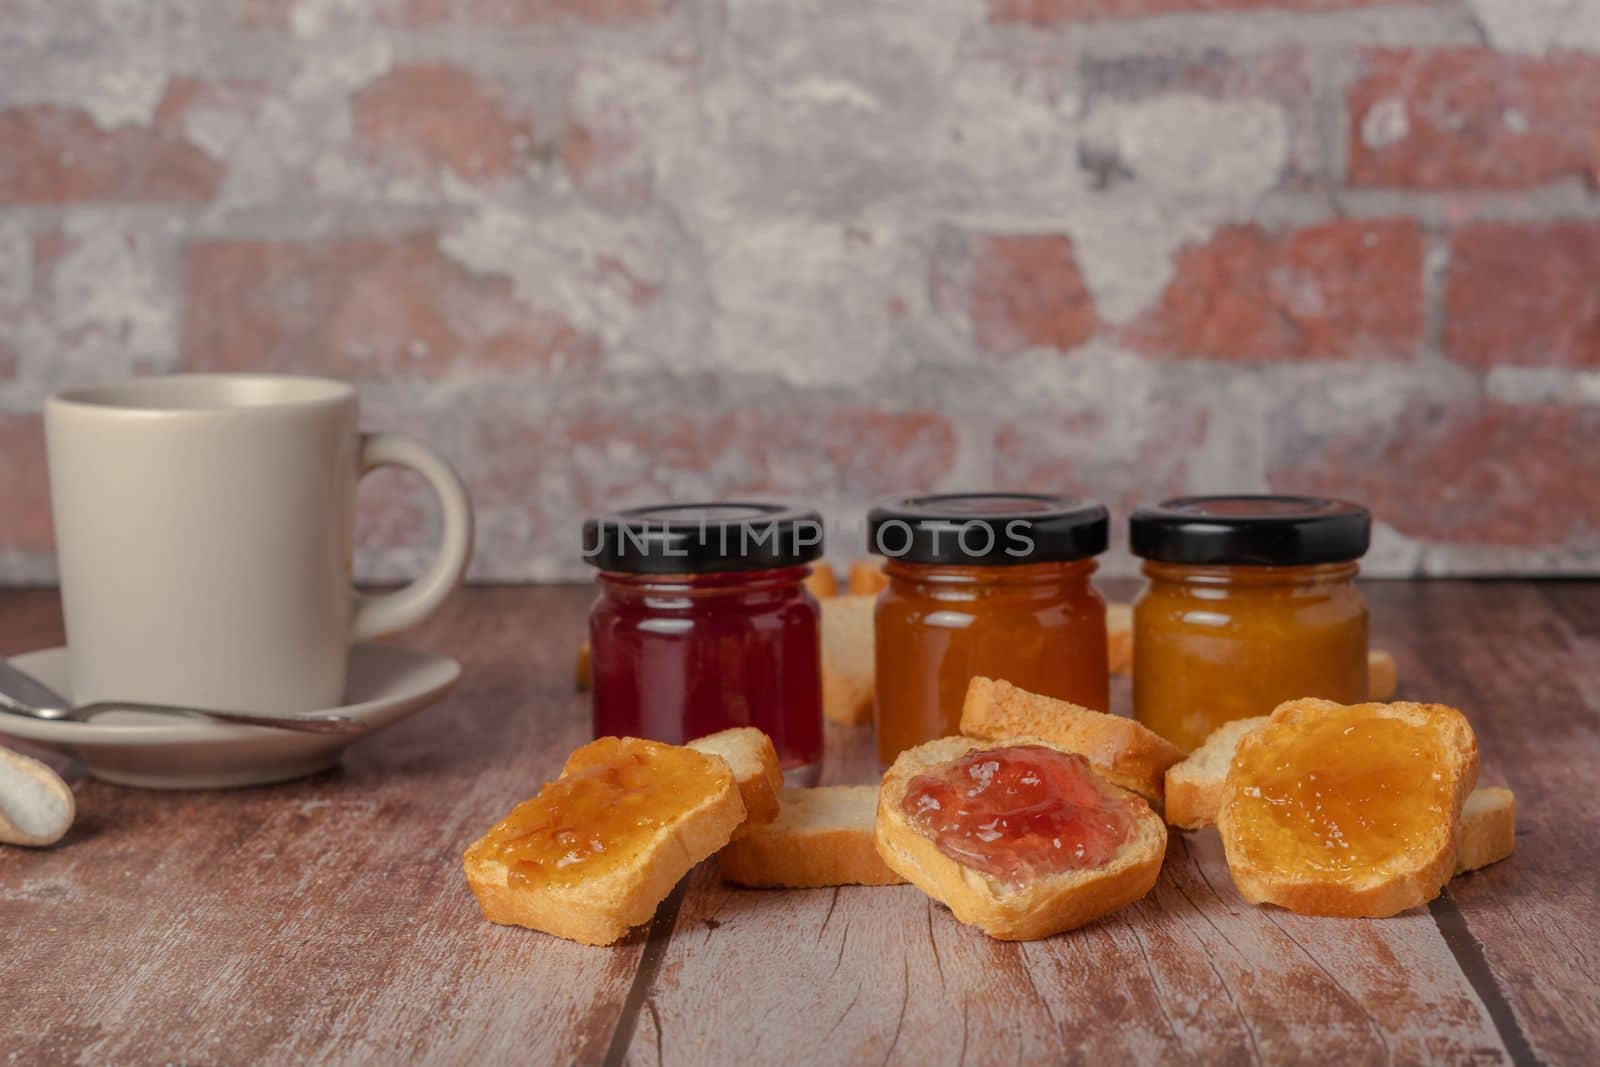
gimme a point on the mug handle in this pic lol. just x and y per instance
(384, 614)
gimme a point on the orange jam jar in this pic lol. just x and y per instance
(1251, 601)
(995, 584)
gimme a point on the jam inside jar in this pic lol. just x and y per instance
(730, 637)
(1251, 601)
(1020, 812)
(1024, 610)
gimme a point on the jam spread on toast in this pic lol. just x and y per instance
(1020, 812)
(1339, 796)
(612, 799)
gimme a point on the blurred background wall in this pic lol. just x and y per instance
(608, 251)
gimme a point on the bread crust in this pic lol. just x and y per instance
(1044, 907)
(1415, 877)
(824, 837)
(601, 910)
(1122, 751)
(750, 755)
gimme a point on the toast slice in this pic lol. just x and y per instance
(1194, 786)
(575, 860)
(583, 670)
(1124, 752)
(822, 582)
(1486, 834)
(1383, 677)
(751, 757)
(1119, 638)
(823, 837)
(36, 806)
(1347, 810)
(847, 659)
(1488, 830)
(867, 577)
(1036, 908)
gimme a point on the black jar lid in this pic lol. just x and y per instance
(987, 529)
(703, 538)
(1266, 531)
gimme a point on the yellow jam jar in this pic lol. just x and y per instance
(1250, 601)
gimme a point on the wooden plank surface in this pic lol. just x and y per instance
(327, 920)
(1523, 661)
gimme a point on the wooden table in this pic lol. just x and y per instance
(328, 919)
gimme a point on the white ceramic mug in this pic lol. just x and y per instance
(204, 535)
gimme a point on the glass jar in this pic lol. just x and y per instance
(703, 623)
(1251, 601)
(984, 584)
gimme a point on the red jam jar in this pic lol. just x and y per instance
(703, 624)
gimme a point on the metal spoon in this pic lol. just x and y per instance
(23, 694)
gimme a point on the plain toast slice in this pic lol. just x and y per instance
(1488, 829)
(1119, 638)
(1383, 677)
(599, 897)
(1124, 752)
(867, 577)
(1043, 906)
(848, 674)
(751, 756)
(822, 837)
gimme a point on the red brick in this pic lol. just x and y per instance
(1475, 118)
(424, 118)
(1490, 473)
(60, 155)
(518, 12)
(1025, 291)
(1343, 290)
(362, 307)
(1050, 12)
(24, 486)
(1524, 294)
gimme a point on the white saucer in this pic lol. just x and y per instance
(386, 684)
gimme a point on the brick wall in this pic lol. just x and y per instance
(613, 250)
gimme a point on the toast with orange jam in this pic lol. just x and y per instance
(601, 847)
(1487, 832)
(1341, 810)
(1018, 838)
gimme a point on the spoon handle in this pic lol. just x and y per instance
(315, 724)
(22, 692)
